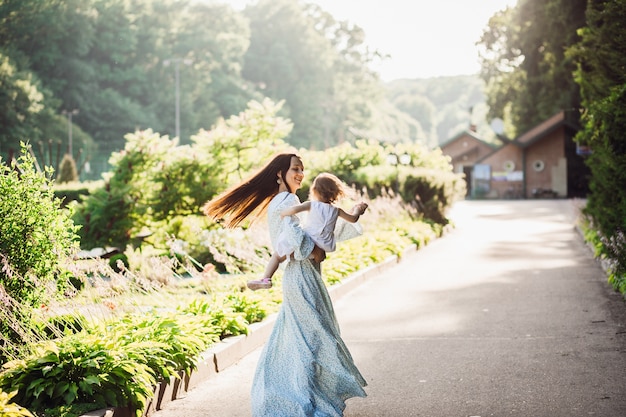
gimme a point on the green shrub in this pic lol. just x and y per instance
(154, 180)
(80, 368)
(227, 321)
(170, 342)
(67, 170)
(74, 409)
(36, 234)
(606, 203)
(75, 191)
(112, 214)
(251, 309)
(429, 191)
(432, 191)
(62, 325)
(37, 238)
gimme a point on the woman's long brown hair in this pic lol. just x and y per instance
(251, 196)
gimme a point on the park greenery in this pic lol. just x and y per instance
(112, 285)
(77, 334)
(111, 65)
(541, 57)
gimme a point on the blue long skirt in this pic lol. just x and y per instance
(305, 369)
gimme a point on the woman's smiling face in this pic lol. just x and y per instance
(295, 174)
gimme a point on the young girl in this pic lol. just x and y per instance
(320, 225)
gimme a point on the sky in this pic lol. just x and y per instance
(424, 38)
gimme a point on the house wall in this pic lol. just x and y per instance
(506, 172)
(536, 160)
(465, 151)
(549, 152)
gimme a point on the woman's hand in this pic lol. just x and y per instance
(318, 254)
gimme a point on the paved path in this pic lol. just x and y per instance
(508, 315)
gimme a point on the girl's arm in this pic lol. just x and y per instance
(298, 208)
(353, 217)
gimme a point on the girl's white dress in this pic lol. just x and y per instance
(325, 228)
(320, 224)
(305, 369)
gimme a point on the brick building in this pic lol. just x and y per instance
(542, 162)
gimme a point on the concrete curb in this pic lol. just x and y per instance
(230, 350)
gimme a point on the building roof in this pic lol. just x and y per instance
(539, 132)
(561, 119)
(470, 134)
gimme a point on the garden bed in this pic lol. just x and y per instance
(228, 351)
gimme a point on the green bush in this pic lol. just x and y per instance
(226, 320)
(62, 325)
(111, 215)
(75, 191)
(80, 368)
(251, 309)
(67, 170)
(426, 182)
(606, 203)
(169, 342)
(154, 180)
(37, 238)
(36, 234)
(115, 363)
(432, 191)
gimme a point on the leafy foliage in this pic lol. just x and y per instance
(80, 368)
(10, 409)
(37, 237)
(603, 86)
(439, 107)
(68, 172)
(607, 202)
(168, 342)
(118, 361)
(155, 180)
(529, 77)
(321, 73)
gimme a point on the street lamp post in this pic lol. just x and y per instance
(69, 114)
(177, 62)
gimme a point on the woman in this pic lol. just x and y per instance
(305, 368)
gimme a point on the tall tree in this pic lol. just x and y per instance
(41, 43)
(214, 39)
(289, 60)
(300, 54)
(20, 101)
(528, 74)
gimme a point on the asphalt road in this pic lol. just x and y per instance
(507, 315)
